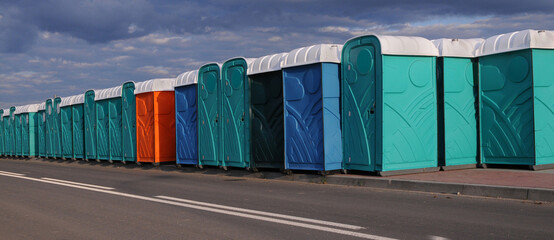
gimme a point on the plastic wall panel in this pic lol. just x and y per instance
(145, 127)
(164, 126)
(115, 129)
(209, 115)
(90, 126)
(102, 129)
(78, 136)
(543, 82)
(41, 122)
(186, 125)
(128, 118)
(57, 128)
(18, 139)
(49, 129)
(67, 132)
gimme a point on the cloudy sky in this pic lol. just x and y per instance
(64, 47)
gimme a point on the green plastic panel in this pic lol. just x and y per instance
(506, 103)
(25, 138)
(7, 142)
(128, 118)
(49, 129)
(209, 115)
(1, 132)
(102, 129)
(90, 126)
(115, 129)
(67, 132)
(41, 126)
(236, 103)
(57, 127)
(18, 139)
(78, 126)
(543, 82)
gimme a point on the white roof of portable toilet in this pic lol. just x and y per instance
(6, 113)
(313, 54)
(517, 41)
(107, 93)
(72, 100)
(267, 63)
(26, 108)
(457, 47)
(405, 46)
(186, 78)
(41, 106)
(154, 85)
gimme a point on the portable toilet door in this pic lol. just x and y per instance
(57, 128)
(49, 129)
(311, 96)
(109, 126)
(29, 132)
(209, 115)
(457, 113)
(235, 112)
(90, 126)
(128, 118)
(41, 129)
(78, 126)
(389, 109)
(155, 108)
(516, 100)
(1, 132)
(186, 124)
(66, 130)
(267, 124)
(13, 133)
(7, 137)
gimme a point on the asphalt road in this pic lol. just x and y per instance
(40, 199)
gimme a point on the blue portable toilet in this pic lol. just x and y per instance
(457, 102)
(266, 120)
(186, 136)
(517, 99)
(311, 92)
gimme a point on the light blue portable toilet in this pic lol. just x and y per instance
(186, 124)
(457, 79)
(41, 129)
(517, 99)
(266, 109)
(311, 92)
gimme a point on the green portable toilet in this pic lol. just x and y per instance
(235, 113)
(50, 120)
(66, 129)
(209, 115)
(17, 132)
(90, 126)
(72, 126)
(56, 128)
(28, 116)
(13, 135)
(457, 103)
(389, 109)
(6, 131)
(108, 124)
(129, 122)
(1, 132)
(41, 129)
(266, 112)
(516, 99)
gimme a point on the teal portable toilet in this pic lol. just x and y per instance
(311, 93)
(17, 132)
(6, 131)
(66, 129)
(78, 126)
(1, 132)
(266, 112)
(49, 128)
(209, 115)
(516, 99)
(90, 126)
(56, 128)
(13, 137)
(129, 122)
(108, 124)
(29, 133)
(41, 129)
(388, 100)
(235, 112)
(457, 102)
(186, 124)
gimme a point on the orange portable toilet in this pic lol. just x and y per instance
(155, 119)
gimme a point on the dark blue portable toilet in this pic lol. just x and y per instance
(186, 137)
(311, 95)
(266, 109)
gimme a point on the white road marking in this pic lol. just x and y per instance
(78, 183)
(11, 173)
(244, 215)
(321, 222)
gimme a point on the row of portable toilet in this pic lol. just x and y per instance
(378, 103)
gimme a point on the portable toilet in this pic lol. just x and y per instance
(13, 133)
(41, 129)
(267, 124)
(128, 118)
(388, 100)
(1, 132)
(311, 93)
(108, 124)
(29, 133)
(516, 99)
(235, 112)
(17, 131)
(56, 128)
(456, 102)
(6, 131)
(155, 109)
(78, 126)
(186, 125)
(209, 115)
(90, 126)
(66, 129)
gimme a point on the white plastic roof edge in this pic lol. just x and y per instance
(404, 45)
(6, 112)
(42, 106)
(267, 63)
(453, 47)
(519, 40)
(107, 93)
(186, 78)
(313, 54)
(72, 100)
(155, 85)
(30, 108)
